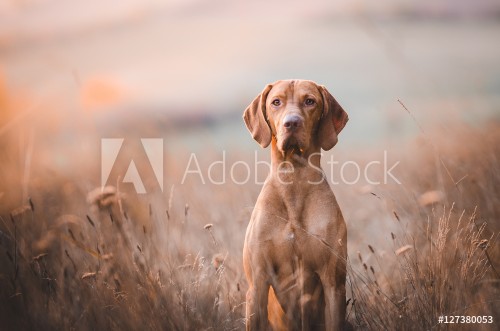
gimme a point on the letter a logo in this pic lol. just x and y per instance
(153, 147)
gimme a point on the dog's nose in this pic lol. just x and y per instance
(292, 122)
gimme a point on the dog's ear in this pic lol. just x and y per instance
(332, 122)
(255, 118)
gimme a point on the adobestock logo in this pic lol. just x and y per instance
(152, 153)
(240, 172)
(149, 153)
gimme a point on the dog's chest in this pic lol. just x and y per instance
(295, 220)
(295, 241)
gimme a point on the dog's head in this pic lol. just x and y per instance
(298, 113)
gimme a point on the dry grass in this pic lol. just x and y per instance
(448, 274)
(74, 260)
(444, 257)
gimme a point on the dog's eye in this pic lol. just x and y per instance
(276, 102)
(310, 102)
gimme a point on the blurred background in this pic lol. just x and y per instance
(74, 72)
(197, 61)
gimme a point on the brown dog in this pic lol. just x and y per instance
(295, 246)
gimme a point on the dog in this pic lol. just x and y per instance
(295, 248)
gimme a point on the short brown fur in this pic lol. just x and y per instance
(295, 246)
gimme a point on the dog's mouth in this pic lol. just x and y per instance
(291, 146)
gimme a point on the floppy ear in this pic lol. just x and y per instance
(255, 118)
(332, 122)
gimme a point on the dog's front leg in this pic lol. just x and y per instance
(256, 307)
(335, 308)
(333, 280)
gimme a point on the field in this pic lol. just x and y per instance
(74, 256)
